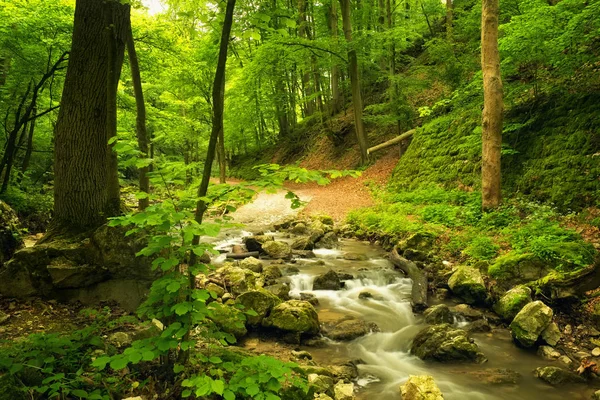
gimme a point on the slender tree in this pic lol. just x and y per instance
(493, 106)
(354, 82)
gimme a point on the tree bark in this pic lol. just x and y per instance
(29, 148)
(222, 158)
(419, 278)
(391, 142)
(81, 167)
(140, 121)
(355, 83)
(336, 99)
(492, 107)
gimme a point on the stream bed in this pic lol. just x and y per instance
(386, 361)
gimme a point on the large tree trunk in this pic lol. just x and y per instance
(222, 158)
(492, 107)
(142, 132)
(82, 167)
(355, 83)
(336, 98)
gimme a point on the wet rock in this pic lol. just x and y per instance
(581, 355)
(292, 270)
(328, 241)
(442, 294)
(596, 352)
(216, 289)
(439, 314)
(355, 257)
(551, 334)
(281, 290)
(557, 375)
(568, 330)
(328, 281)
(348, 329)
(302, 355)
(293, 316)
(467, 312)
(346, 372)
(468, 284)
(322, 396)
(321, 383)
(417, 241)
(270, 275)
(299, 229)
(494, 376)
(343, 391)
(549, 353)
(303, 243)
(512, 302)
(415, 255)
(253, 264)
(276, 249)
(255, 243)
(530, 322)
(261, 301)
(421, 387)
(479, 326)
(566, 360)
(311, 298)
(446, 344)
(237, 280)
(365, 295)
(344, 276)
(303, 254)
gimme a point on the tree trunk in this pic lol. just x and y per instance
(355, 83)
(492, 107)
(336, 99)
(80, 151)
(140, 121)
(222, 158)
(29, 149)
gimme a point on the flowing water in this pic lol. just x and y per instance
(385, 356)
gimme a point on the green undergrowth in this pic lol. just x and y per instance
(519, 230)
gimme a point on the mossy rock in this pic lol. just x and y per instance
(277, 249)
(420, 387)
(512, 302)
(253, 264)
(237, 280)
(558, 376)
(261, 301)
(293, 316)
(230, 319)
(514, 269)
(445, 343)
(530, 322)
(468, 284)
(420, 241)
(438, 314)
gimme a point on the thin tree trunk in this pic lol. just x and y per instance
(336, 99)
(221, 158)
(492, 107)
(29, 149)
(355, 83)
(140, 121)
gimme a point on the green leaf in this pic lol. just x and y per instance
(215, 360)
(79, 393)
(101, 362)
(119, 363)
(148, 355)
(173, 287)
(177, 368)
(253, 389)
(218, 386)
(135, 357)
(228, 395)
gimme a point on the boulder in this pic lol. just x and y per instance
(325, 219)
(479, 326)
(255, 243)
(467, 312)
(512, 302)
(322, 396)
(303, 243)
(277, 249)
(120, 339)
(492, 376)
(348, 329)
(10, 233)
(271, 274)
(445, 343)
(343, 391)
(355, 257)
(468, 284)
(530, 322)
(328, 281)
(557, 375)
(311, 298)
(328, 241)
(417, 241)
(346, 372)
(321, 383)
(261, 301)
(293, 316)
(547, 352)
(551, 335)
(515, 269)
(299, 229)
(421, 387)
(438, 314)
(253, 264)
(281, 290)
(3, 317)
(237, 280)
(229, 319)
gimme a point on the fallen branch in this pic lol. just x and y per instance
(419, 278)
(240, 256)
(391, 142)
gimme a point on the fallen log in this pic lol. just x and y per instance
(240, 256)
(391, 142)
(419, 278)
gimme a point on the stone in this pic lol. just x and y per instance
(147, 330)
(255, 243)
(343, 391)
(311, 298)
(445, 343)
(420, 387)
(551, 334)
(216, 289)
(328, 281)
(281, 290)
(277, 249)
(549, 353)
(325, 219)
(365, 295)
(596, 395)
(581, 355)
(355, 257)
(493, 376)
(557, 376)
(348, 329)
(596, 352)
(479, 326)
(438, 314)
(328, 241)
(530, 322)
(293, 316)
(322, 396)
(299, 229)
(253, 264)
(3, 317)
(229, 319)
(467, 312)
(261, 301)
(346, 372)
(442, 294)
(568, 330)
(417, 241)
(321, 383)
(303, 243)
(468, 284)
(512, 302)
(237, 280)
(271, 274)
(302, 355)
(566, 360)
(120, 339)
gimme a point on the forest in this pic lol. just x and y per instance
(275, 199)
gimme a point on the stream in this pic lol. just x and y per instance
(385, 356)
